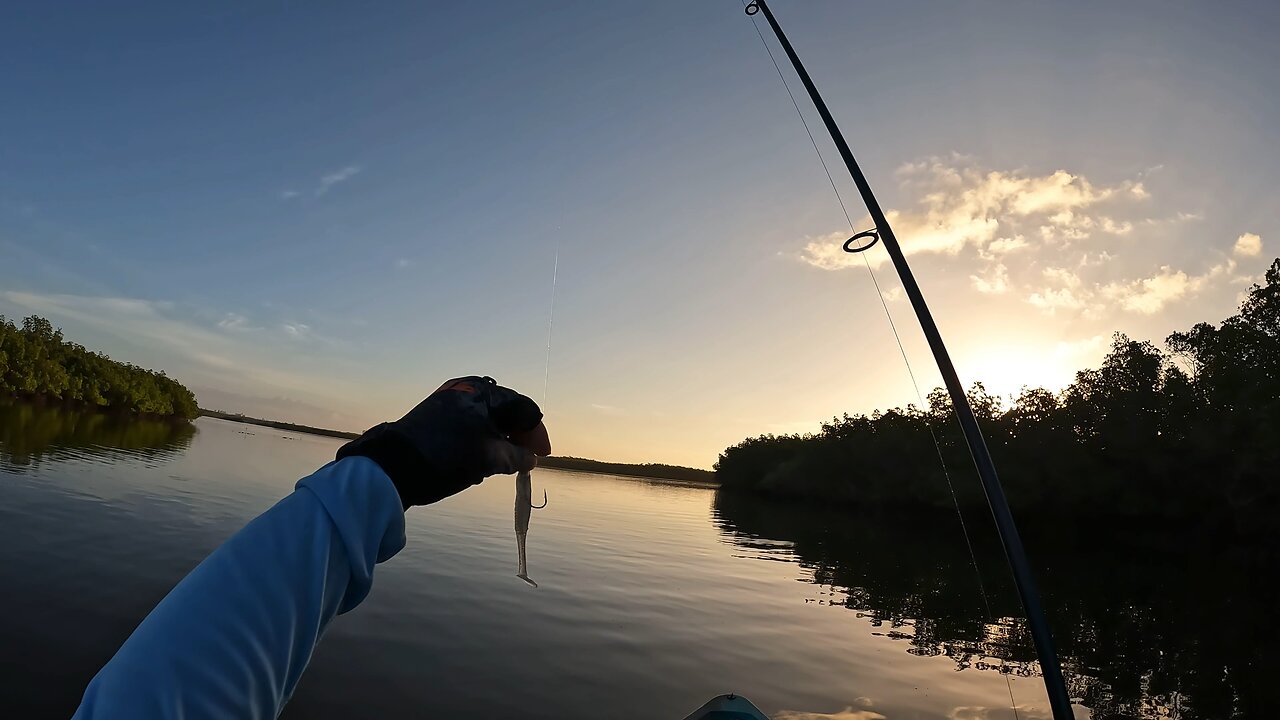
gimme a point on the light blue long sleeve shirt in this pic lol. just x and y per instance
(233, 638)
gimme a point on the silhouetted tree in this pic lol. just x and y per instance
(1190, 431)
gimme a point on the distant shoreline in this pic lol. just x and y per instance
(234, 417)
(652, 471)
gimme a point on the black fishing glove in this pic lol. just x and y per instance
(469, 429)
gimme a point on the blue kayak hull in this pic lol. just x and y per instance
(727, 707)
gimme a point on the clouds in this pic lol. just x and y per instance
(827, 253)
(232, 354)
(1149, 295)
(608, 409)
(325, 182)
(328, 180)
(1007, 245)
(1248, 245)
(235, 321)
(1066, 290)
(129, 317)
(1058, 241)
(960, 205)
(994, 282)
(1051, 300)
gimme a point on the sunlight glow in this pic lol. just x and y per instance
(1006, 369)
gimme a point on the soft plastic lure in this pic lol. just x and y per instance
(524, 510)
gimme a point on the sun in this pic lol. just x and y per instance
(1006, 369)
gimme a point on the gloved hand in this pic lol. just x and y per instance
(467, 430)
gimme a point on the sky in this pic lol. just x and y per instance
(317, 212)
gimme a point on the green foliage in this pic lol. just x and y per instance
(36, 361)
(1177, 433)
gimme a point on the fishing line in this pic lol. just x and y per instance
(551, 318)
(524, 480)
(964, 529)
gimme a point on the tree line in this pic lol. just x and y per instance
(1186, 430)
(35, 361)
(657, 471)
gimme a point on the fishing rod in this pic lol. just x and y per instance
(1051, 670)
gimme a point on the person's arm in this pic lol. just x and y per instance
(232, 639)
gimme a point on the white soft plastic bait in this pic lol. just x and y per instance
(524, 510)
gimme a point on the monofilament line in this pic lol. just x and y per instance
(551, 319)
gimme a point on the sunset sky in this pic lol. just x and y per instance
(319, 212)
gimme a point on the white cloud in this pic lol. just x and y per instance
(1057, 192)
(192, 352)
(1180, 217)
(1052, 300)
(403, 263)
(960, 205)
(893, 294)
(994, 282)
(296, 330)
(1002, 246)
(1248, 244)
(827, 252)
(328, 180)
(325, 182)
(1102, 257)
(1144, 296)
(1116, 228)
(1067, 296)
(234, 321)
(1052, 238)
(1069, 225)
(1148, 296)
(1062, 276)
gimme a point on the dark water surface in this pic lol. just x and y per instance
(653, 597)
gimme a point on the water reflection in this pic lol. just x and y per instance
(863, 712)
(1151, 622)
(646, 608)
(32, 433)
(864, 709)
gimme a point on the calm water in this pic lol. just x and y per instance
(653, 597)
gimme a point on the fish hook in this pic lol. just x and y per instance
(544, 501)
